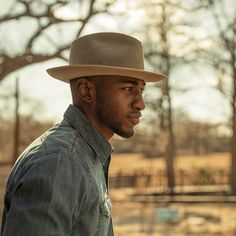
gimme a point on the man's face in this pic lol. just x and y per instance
(119, 102)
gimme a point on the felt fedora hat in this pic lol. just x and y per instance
(105, 53)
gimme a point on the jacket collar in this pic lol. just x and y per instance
(99, 144)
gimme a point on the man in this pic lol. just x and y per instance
(59, 185)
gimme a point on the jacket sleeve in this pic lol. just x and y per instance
(52, 192)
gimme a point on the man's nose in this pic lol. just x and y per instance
(139, 102)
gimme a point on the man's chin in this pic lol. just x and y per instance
(126, 134)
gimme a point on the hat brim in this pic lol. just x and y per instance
(66, 73)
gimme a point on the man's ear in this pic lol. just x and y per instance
(85, 90)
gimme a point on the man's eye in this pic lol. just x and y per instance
(128, 89)
(132, 90)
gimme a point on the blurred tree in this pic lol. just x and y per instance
(41, 30)
(199, 137)
(17, 129)
(165, 46)
(30, 130)
(16, 137)
(5, 141)
(222, 57)
(38, 31)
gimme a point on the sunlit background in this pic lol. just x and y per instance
(186, 144)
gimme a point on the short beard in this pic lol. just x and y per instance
(107, 116)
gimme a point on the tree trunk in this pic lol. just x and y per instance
(17, 125)
(170, 151)
(233, 159)
(233, 138)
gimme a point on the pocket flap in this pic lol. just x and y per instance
(105, 207)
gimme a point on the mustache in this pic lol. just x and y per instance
(134, 114)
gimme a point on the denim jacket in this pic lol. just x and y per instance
(58, 186)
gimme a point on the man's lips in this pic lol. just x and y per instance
(135, 121)
(134, 117)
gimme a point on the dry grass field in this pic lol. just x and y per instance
(133, 162)
(135, 218)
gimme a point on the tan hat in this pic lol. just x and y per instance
(105, 54)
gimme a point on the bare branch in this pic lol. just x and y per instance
(45, 19)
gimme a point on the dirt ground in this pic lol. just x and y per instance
(135, 218)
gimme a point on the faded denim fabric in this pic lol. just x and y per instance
(58, 186)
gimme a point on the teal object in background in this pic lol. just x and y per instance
(167, 215)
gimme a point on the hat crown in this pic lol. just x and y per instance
(107, 49)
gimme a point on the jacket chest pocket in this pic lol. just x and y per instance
(104, 217)
(105, 207)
